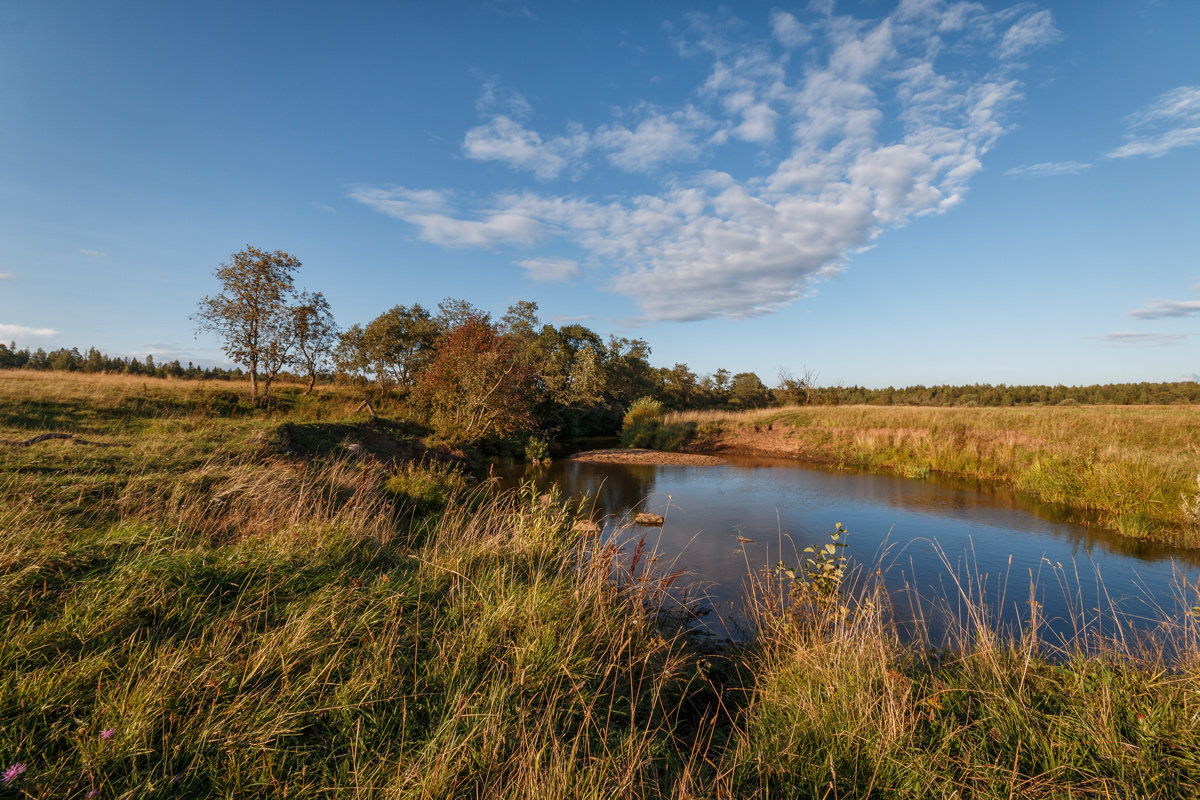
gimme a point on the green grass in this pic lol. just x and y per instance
(276, 604)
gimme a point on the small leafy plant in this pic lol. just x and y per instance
(818, 582)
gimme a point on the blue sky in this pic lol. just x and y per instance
(879, 192)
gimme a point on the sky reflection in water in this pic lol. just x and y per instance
(910, 529)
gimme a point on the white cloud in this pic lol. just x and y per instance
(867, 131)
(1162, 309)
(502, 139)
(550, 269)
(1032, 31)
(657, 139)
(1173, 120)
(1050, 168)
(497, 99)
(1141, 339)
(93, 253)
(429, 210)
(8, 276)
(10, 331)
(787, 30)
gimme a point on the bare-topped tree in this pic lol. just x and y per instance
(253, 314)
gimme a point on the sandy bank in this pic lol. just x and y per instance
(639, 456)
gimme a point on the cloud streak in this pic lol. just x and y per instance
(1051, 168)
(1142, 339)
(1166, 309)
(1171, 121)
(11, 331)
(867, 131)
(545, 270)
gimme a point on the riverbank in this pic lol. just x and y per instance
(1133, 469)
(635, 455)
(250, 603)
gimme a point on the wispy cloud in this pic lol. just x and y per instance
(429, 210)
(10, 331)
(93, 253)
(1031, 32)
(1142, 339)
(550, 269)
(1173, 120)
(1051, 168)
(787, 30)
(8, 276)
(1164, 309)
(874, 132)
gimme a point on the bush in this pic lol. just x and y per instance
(643, 427)
(641, 423)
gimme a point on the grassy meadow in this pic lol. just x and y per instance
(227, 602)
(1132, 468)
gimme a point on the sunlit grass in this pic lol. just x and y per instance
(224, 606)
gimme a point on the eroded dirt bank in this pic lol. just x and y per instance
(759, 440)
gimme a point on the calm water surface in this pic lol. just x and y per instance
(928, 538)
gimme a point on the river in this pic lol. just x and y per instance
(936, 543)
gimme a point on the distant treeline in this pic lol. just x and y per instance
(71, 360)
(678, 388)
(1175, 393)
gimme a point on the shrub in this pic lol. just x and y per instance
(641, 422)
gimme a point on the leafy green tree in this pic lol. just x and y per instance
(252, 315)
(680, 388)
(565, 364)
(628, 371)
(392, 349)
(748, 391)
(315, 334)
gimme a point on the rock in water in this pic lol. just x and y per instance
(645, 518)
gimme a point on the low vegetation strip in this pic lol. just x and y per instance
(643, 456)
(1133, 469)
(266, 603)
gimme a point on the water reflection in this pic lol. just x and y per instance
(934, 540)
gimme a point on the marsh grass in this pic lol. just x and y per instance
(205, 612)
(844, 706)
(1131, 468)
(198, 612)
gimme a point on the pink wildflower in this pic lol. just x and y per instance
(12, 772)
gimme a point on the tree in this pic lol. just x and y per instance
(748, 391)
(252, 315)
(392, 348)
(795, 391)
(315, 332)
(476, 386)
